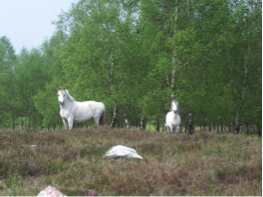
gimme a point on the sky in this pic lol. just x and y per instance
(28, 22)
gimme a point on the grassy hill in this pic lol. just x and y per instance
(71, 161)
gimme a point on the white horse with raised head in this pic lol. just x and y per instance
(72, 110)
(172, 119)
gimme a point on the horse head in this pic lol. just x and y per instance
(174, 106)
(61, 95)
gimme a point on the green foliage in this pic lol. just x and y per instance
(8, 91)
(133, 55)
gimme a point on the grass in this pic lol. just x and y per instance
(204, 164)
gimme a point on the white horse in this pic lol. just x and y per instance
(72, 110)
(172, 119)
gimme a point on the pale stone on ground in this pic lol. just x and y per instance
(50, 191)
(121, 151)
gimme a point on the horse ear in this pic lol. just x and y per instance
(63, 88)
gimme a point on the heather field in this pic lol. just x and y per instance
(204, 164)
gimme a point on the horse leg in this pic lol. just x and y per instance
(170, 129)
(65, 122)
(177, 129)
(70, 123)
(164, 128)
(173, 129)
(167, 128)
(102, 119)
(96, 121)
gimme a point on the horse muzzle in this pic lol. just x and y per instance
(61, 103)
(175, 111)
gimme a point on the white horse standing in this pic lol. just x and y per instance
(72, 110)
(172, 119)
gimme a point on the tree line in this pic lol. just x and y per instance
(136, 56)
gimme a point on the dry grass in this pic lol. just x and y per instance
(202, 164)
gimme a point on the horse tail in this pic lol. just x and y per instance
(102, 118)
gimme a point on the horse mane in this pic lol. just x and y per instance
(69, 96)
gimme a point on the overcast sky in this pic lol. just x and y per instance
(28, 22)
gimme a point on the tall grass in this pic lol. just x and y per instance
(202, 164)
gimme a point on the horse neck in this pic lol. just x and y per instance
(175, 114)
(67, 103)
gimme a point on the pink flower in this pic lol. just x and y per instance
(90, 192)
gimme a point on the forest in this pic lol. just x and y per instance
(136, 56)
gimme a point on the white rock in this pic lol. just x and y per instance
(121, 151)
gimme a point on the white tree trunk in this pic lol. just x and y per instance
(243, 94)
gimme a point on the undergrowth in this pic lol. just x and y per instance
(71, 161)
